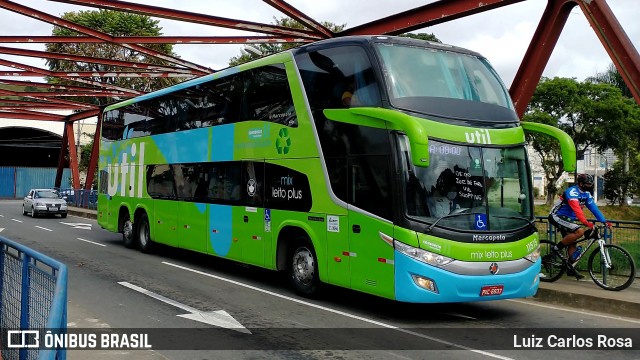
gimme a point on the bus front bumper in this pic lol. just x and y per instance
(452, 287)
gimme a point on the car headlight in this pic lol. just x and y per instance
(422, 255)
(534, 255)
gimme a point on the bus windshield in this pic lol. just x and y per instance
(474, 188)
(413, 71)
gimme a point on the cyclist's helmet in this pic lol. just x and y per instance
(585, 181)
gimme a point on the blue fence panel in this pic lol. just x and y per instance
(7, 182)
(33, 295)
(32, 178)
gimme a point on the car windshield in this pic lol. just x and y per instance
(488, 187)
(46, 195)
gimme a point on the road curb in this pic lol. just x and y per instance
(589, 302)
(82, 214)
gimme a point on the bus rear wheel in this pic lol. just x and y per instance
(127, 233)
(143, 234)
(303, 268)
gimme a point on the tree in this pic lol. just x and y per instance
(592, 114)
(422, 36)
(613, 77)
(116, 24)
(272, 48)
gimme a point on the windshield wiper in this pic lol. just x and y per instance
(444, 217)
(531, 223)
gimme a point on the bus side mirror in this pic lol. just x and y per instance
(567, 146)
(387, 119)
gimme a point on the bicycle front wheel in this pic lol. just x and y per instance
(552, 266)
(621, 273)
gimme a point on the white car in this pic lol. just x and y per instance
(44, 202)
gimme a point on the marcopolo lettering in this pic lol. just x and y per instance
(489, 237)
(118, 173)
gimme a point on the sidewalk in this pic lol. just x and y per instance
(567, 291)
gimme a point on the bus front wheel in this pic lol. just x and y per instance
(144, 237)
(303, 269)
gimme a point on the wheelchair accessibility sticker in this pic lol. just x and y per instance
(480, 222)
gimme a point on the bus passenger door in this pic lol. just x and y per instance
(372, 259)
(252, 217)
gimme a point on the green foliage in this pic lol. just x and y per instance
(272, 48)
(619, 183)
(116, 24)
(594, 115)
(422, 36)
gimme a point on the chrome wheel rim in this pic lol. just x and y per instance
(303, 266)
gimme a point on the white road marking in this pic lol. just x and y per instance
(43, 228)
(1, 229)
(218, 318)
(81, 226)
(16, 220)
(370, 321)
(1, 215)
(582, 312)
(92, 242)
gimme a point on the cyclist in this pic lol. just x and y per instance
(568, 209)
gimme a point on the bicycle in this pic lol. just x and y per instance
(610, 266)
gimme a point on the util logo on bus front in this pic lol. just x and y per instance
(478, 137)
(118, 179)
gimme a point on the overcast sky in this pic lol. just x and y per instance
(502, 35)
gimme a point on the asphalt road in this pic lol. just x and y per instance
(112, 287)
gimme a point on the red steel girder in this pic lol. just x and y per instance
(426, 15)
(28, 116)
(300, 17)
(56, 21)
(537, 56)
(89, 59)
(155, 39)
(76, 74)
(53, 101)
(47, 86)
(73, 155)
(30, 104)
(22, 107)
(102, 93)
(45, 72)
(193, 17)
(93, 160)
(615, 41)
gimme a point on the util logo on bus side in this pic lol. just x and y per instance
(479, 137)
(118, 173)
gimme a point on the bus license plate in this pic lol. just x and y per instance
(491, 290)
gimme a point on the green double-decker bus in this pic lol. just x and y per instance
(392, 166)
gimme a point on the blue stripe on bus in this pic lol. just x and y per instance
(222, 143)
(220, 228)
(458, 288)
(193, 145)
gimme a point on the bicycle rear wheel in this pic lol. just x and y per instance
(622, 271)
(552, 266)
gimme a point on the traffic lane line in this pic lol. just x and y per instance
(343, 313)
(92, 242)
(43, 228)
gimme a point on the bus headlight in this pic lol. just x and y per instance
(534, 255)
(422, 255)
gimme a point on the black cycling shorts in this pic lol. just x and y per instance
(564, 224)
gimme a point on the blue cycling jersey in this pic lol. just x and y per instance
(575, 196)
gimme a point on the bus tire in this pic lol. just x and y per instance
(143, 234)
(127, 232)
(303, 268)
